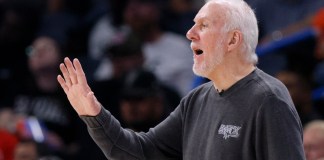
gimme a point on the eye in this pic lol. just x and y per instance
(203, 25)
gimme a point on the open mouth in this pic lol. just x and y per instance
(199, 51)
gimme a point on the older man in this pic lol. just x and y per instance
(242, 113)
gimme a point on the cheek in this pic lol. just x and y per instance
(211, 41)
(33, 63)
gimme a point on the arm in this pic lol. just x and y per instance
(278, 131)
(161, 142)
(117, 143)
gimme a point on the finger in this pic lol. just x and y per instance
(65, 74)
(71, 70)
(81, 78)
(63, 83)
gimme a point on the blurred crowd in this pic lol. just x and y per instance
(138, 62)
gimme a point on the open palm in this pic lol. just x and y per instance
(75, 86)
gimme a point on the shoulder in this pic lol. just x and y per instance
(275, 95)
(263, 90)
(268, 85)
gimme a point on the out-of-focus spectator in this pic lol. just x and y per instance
(26, 150)
(7, 145)
(18, 25)
(301, 94)
(44, 56)
(314, 140)
(125, 55)
(127, 61)
(143, 18)
(166, 54)
(7, 119)
(41, 97)
(145, 101)
(107, 31)
(106, 28)
(8, 140)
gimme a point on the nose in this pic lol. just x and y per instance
(191, 34)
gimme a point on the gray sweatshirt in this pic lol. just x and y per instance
(254, 119)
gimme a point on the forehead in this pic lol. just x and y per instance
(211, 11)
(43, 42)
(314, 134)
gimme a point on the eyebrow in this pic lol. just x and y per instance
(200, 18)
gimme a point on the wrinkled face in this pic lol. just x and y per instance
(207, 39)
(313, 145)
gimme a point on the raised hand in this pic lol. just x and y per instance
(75, 86)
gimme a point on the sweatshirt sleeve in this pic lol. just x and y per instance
(161, 142)
(279, 133)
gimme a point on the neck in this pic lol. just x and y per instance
(224, 77)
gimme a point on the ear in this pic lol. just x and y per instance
(235, 38)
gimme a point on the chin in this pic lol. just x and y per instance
(199, 71)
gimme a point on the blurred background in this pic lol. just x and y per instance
(138, 63)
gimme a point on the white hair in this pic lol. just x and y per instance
(239, 15)
(315, 126)
(318, 124)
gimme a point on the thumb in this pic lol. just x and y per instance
(95, 106)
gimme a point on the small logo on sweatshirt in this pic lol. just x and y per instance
(229, 131)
